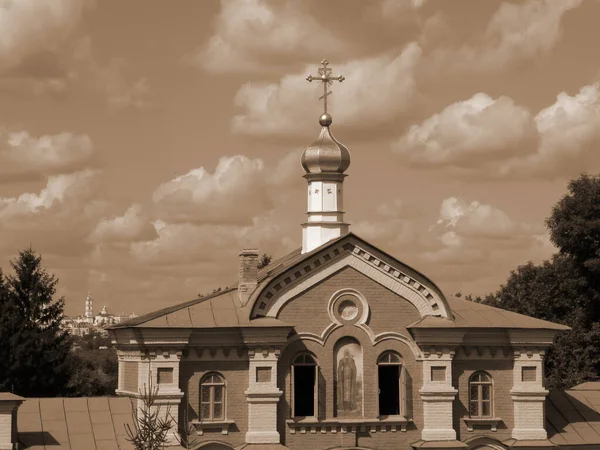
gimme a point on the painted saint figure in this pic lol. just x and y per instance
(346, 383)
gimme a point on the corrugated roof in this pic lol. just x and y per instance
(573, 416)
(469, 314)
(94, 423)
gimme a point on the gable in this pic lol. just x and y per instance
(384, 311)
(350, 251)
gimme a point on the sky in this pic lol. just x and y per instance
(142, 146)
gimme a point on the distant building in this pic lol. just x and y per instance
(88, 322)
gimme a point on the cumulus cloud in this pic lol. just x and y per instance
(495, 138)
(132, 226)
(233, 193)
(189, 242)
(255, 35)
(476, 219)
(22, 153)
(58, 190)
(467, 133)
(471, 232)
(110, 79)
(516, 32)
(281, 108)
(33, 26)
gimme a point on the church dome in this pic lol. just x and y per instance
(326, 154)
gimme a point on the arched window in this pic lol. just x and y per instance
(480, 395)
(392, 384)
(212, 397)
(304, 382)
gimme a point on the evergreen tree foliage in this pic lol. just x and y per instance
(34, 355)
(151, 423)
(566, 288)
(264, 261)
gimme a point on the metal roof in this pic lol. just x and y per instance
(94, 423)
(573, 416)
(468, 314)
(222, 309)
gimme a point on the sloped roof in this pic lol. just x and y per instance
(573, 416)
(74, 423)
(469, 314)
(219, 310)
(222, 309)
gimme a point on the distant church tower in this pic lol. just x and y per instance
(324, 162)
(89, 308)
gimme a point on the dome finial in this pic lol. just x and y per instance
(327, 79)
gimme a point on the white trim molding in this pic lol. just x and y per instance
(402, 280)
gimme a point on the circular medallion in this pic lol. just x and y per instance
(347, 309)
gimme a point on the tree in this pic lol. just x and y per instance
(566, 288)
(34, 355)
(265, 260)
(151, 425)
(574, 224)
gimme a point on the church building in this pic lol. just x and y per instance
(339, 345)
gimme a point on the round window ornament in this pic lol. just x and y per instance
(348, 310)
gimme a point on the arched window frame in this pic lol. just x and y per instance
(393, 358)
(305, 359)
(479, 395)
(210, 385)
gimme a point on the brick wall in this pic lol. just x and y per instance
(389, 312)
(501, 371)
(236, 381)
(130, 375)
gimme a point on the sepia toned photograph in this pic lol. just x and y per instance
(299, 225)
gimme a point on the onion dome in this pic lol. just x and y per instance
(326, 154)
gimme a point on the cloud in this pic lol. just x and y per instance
(516, 32)
(59, 189)
(187, 242)
(494, 138)
(282, 108)
(132, 226)
(256, 35)
(470, 232)
(239, 189)
(22, 153)
(30, 27)
(110, 79)
(234, 193)
(468, 133)
(477, 220)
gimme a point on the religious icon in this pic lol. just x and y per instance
(348, 373)
(347, 383)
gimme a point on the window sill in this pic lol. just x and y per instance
(492, 422)
(223, 425)
(313, 425)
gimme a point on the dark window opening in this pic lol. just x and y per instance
(389, 390)
(304, 391)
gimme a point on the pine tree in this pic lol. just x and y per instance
(34, 355)
(151, 424)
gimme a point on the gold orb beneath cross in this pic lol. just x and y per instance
(325, 120)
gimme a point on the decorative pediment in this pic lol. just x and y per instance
(353, 252)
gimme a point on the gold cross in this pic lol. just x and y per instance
(327, 79)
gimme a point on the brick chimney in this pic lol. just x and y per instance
(248, 274)
(9, 403)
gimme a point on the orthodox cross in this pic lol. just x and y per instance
(327, 79)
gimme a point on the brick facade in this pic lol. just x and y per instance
(303, 314)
